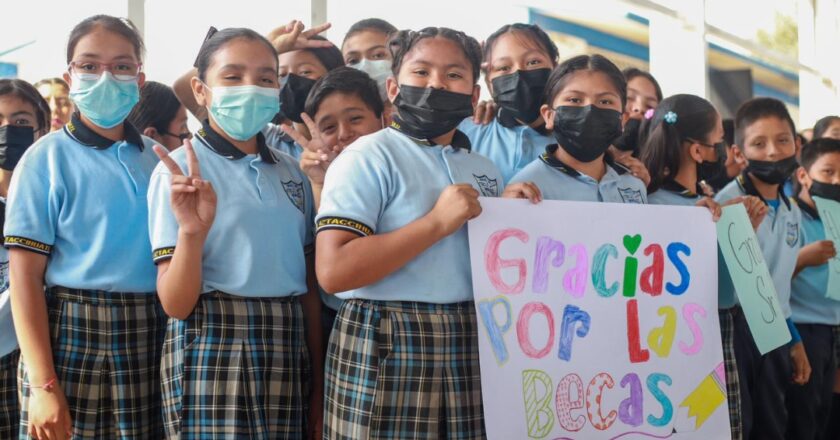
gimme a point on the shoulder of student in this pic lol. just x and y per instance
(729, 192)
(530, 172)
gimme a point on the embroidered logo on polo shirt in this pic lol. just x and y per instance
(489, 187)
(630, 195)
(345, 224)
(162, 253)
(29, 244)
(792, 235)
(295, 192)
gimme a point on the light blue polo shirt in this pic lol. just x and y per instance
(672, 193)
(8, 340)
(808, 301)
(264, 218)
(386, 180)
(80, 199)
(778, 236)
(277, 140)
(558, 181)
(510, 149)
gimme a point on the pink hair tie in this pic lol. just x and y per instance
(649, 113)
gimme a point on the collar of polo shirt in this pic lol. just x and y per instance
(749, 188)
(460, 141)
(549, 159)
(221, 146)
(806, 208)
(676, 187)
(85, 136)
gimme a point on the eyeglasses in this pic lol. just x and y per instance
(122, 71)
(182, 136)
(720, 147)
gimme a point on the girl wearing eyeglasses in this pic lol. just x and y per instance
(160, 116)
(89, 324)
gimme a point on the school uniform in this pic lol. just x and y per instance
(509, 148)
(238, 366)
(279, 141)
(764, 379)
(672, 193)
(9, 353)
(80, 199)
(558, 181)
(815, 316)
(403, 356)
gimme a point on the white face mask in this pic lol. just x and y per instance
(379, 70)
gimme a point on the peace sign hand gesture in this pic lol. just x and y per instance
(317, 155)
(292, 37)
(193, 199)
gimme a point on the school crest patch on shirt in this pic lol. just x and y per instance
(630, 195)
(295, 192)
(489, 187)
(792, 235)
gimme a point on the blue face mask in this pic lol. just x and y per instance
(242, 111)
(104, 100)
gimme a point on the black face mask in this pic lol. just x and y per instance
(293, 96)
(773, 173)
(519, 96)
(629, 139)
(426, 113)
(14, 140)
(709, 170)
(828, 191)
(586, 132)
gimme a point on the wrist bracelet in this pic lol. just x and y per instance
(48, 386)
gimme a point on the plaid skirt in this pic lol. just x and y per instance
(106, 349)
(9, 408)
(733, 385)
(236, 368)
(403, 370)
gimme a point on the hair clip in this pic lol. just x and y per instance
(670, 118)
(649, 114)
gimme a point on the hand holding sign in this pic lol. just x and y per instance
(751, 279)
(830, 215)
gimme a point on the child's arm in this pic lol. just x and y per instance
(523, 190)
(315, 157)
(799, 359)
(49, 416)
(347, 261)
(814, 254)
(756, 209)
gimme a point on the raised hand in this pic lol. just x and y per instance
(193, 199)
(317, 154)
(293, 37)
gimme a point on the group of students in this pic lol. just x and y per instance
(170, 284)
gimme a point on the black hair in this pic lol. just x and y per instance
(532, 32)
(348, 81)
(729, 132)
(53, 82)
(157, 108)
(27, 92)
(632, 72)
(823, 124)
(815, 149)
(329, 57)
(370, 24)
(403, 41)
(595, 63)
(662, 151)
(121, 26)
(219, 39)
(759, 108)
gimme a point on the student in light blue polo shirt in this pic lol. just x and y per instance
(764, 133)
(583, 103)
(814, 313)
(391, 237)
(519, 57)
(238, 281)
(24, 117)
(76, 224)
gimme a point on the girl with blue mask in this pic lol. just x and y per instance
(89, 325)
(242, 357)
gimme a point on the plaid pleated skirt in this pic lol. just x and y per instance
(9, 408)
(403, 370)
(236, 368)
(106, 349)
(733, 384)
